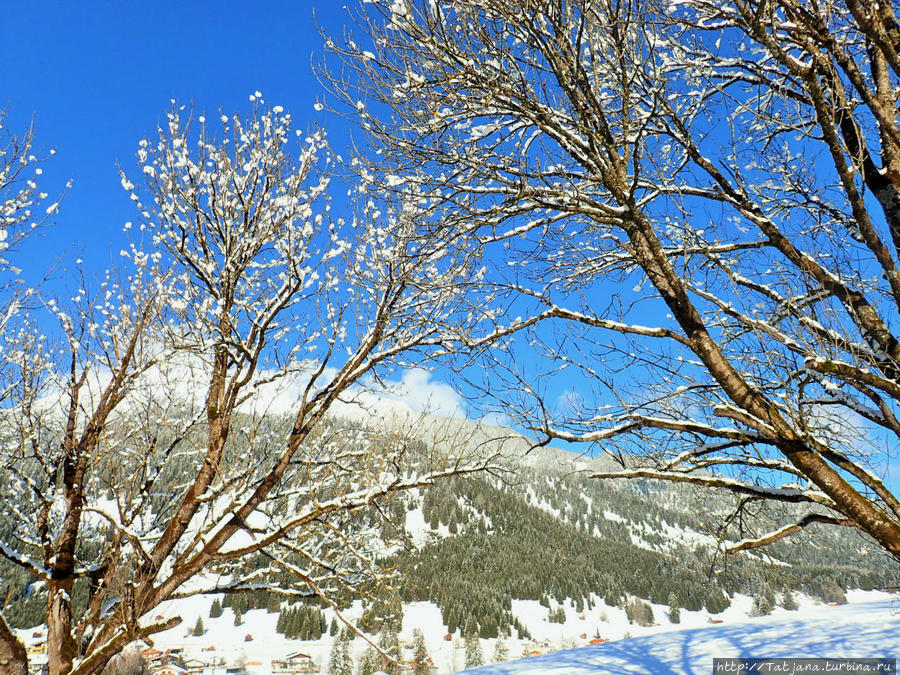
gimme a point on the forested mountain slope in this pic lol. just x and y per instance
(542, 529)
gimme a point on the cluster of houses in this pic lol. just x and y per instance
(173, 662)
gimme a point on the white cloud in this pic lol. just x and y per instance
(422, 393)
(416, 391)
(569, 401)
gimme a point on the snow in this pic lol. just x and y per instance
(417, 527)
(867, 629)
(229, 641)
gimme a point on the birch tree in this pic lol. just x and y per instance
(695, 210)
(176, 434)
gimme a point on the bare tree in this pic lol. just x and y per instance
(177, 436)
(22, 212)
(698, 208)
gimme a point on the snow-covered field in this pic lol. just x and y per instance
(865, 628)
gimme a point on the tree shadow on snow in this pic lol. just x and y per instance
(862, 631)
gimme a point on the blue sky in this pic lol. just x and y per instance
(96, 77)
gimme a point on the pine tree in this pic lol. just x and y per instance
(306, 628)
(389, 643)
(198, 627)
(474, 655)
(298, 624)
(237, 618)
(761, 605)
(215, 610)
(788, 601)
(501, 651)
(674, 609)
(333, 629)
(451, 621)
(239, 603)
(340, 661)
(469, 627)
(370, 662)
(420, 653)
(521, 631)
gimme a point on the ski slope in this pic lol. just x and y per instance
(864, 630)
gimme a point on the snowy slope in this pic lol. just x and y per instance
(864, 630)
(865, 627)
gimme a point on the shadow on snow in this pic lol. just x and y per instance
(866, 630)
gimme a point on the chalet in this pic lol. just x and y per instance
(36, 645)
(153, 657)
(39, 648)
(194, 666)
(294, 664)
(169, 669)
(536, 649)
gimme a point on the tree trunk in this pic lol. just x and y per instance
(60, 645)
(13, 657)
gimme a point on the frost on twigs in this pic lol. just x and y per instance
(692, 218)
(180, 431)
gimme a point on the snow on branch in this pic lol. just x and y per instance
(788, 530)
(783, 494)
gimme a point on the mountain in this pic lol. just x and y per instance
(534, 549)
(546, 531)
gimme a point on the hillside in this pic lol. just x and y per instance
(535, 557)
(549, 533)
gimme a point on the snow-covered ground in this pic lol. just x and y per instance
(865, 628)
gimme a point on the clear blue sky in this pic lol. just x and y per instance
(96, 77)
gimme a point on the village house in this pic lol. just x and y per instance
(169, 669)
(294, 664)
